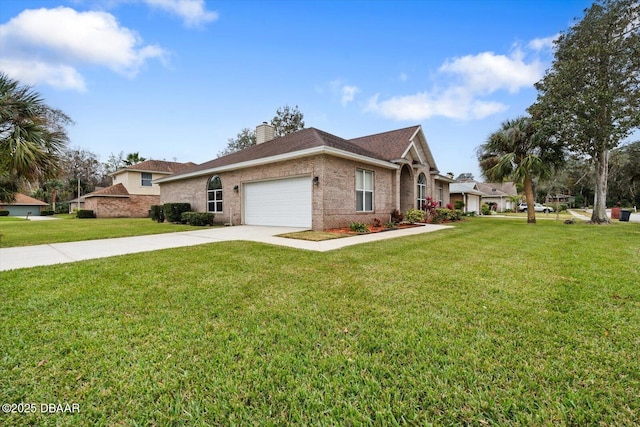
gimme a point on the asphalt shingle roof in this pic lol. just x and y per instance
(160, 166)
(302, 140)
(114, 190)
(387, 145)
(21, 199)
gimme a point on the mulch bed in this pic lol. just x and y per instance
(372, 229)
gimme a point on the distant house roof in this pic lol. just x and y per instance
(465, 188)
(156, 166)
(503, 189)
(380, 149)
(23, 200)
(117, 190)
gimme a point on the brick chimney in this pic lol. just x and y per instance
(264, 132)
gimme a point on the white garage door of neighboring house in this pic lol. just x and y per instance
(281, 202)
(473, 203)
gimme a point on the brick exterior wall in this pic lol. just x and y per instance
(333, 199)
(133, 206)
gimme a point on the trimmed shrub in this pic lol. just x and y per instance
(156, 213)
(486, 209)
(458, 204)
(359, 227)
(198, 218)
(173, 211)
(86, 213)
(46, 212)
(4, 212)
(442, 215)
(414, 215)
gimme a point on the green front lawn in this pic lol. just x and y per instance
(488, 323)
(71, 229)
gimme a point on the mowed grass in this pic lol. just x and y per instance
(70, 229)
(493, 322)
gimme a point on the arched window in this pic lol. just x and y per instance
(422, 191)
(214, 195)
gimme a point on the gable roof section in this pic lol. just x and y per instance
(465, 188)
(21, 199)
(156, 166)
(306, 142)
(394, 145)
(117, 190)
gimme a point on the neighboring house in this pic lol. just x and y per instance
(23, 206)
(133, 191)
(469, 194)
(499, 195)
(76, 204)
(313, 179)
(474, 194)
(560, 199)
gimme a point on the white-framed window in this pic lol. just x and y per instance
(214, 194)
(422, 191)
(364, 190)
(146, 178)
(440, 193)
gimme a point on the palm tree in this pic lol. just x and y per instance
(133, 159)
(32, 136)
(54, 186)
(517, 151)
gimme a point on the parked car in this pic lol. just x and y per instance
(522, 207)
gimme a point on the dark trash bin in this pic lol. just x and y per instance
(625, 215)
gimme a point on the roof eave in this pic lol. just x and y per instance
(280, 158)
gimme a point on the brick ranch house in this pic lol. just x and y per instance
(313, 179)
(133, 191)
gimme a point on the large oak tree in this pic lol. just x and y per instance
(590, 97)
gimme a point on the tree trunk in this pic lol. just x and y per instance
(528, 194)
(599, 215)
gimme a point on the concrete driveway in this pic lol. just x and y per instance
(57, 253)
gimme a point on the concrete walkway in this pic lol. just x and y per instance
(586, 215)
(57, 253)
(579, 215)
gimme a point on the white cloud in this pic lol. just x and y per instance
(455, 103)
(338, 88)
(348, 94)
(62, 39)
(34, 72)
(192, 12)
(466, 82)
(542, 43)
(487, 72)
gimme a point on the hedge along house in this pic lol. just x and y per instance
(313, 179)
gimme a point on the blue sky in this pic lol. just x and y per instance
(175, 79)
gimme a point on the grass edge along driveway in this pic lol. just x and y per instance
(68, 229)
(491, 322)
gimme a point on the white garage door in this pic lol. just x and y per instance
(282, 202)
(473, 204)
